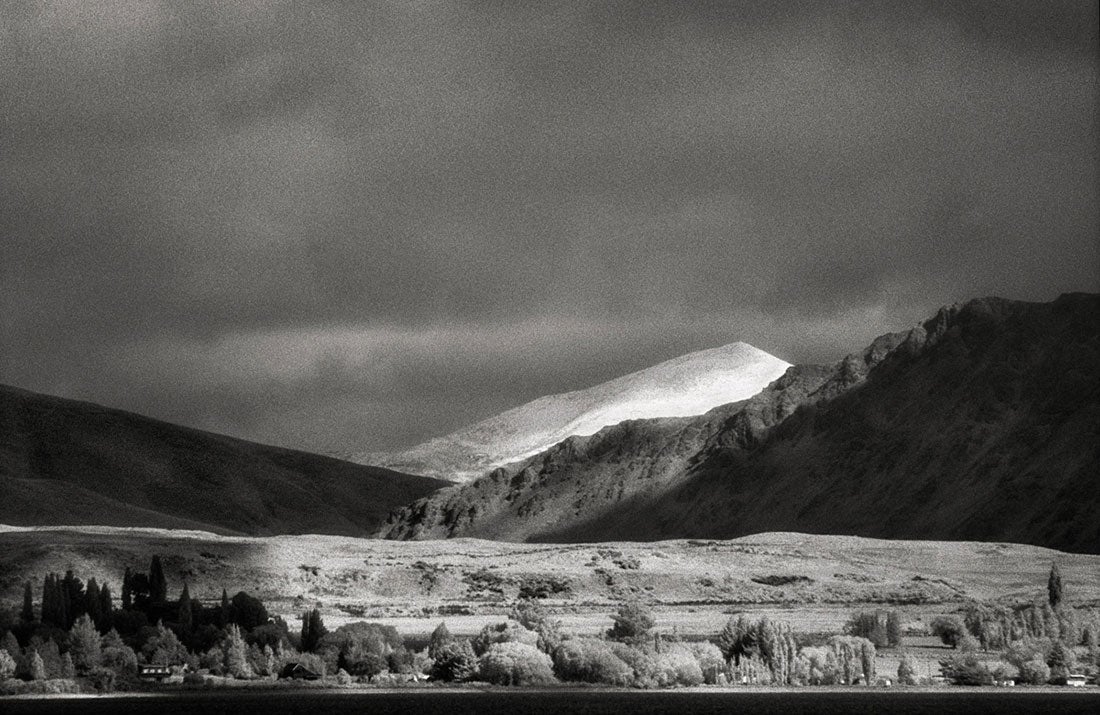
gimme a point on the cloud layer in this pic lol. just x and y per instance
(354, 226)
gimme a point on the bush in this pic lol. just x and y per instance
(121, 659)
(454, 662)
(506, 632)
(534, 617)
(362, 649)
(949, 629)
(7, 665)
(1034, 672)
(968, 644)
(102, 679)
(966, 669)
(907, 672)
(514, 663)
(676, 665)
(710, 660)
(870, 625)
(640, 661)
(632, 622)
(590, 660)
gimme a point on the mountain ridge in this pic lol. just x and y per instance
(686, 385)
(72, 462)
(988, 402)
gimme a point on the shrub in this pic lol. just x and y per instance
(893, 629)
(640, 661)
(362, 649)
(35, 666)
(121, 659)
(506, 632)
(534, 617)
(454, 662)
(870, 625)
(710, 659)
(102, 679)
(968, 644)
(631, 622)
(676, 665)
(907, 672)
(590, 660)
(7, 665)
(949, 629)
(514, 663)
(532, 587)
(1034, 672)
(966, 669)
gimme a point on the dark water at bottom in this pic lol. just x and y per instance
(590, 702)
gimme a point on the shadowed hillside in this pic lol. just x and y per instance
(983, 423)
(68, 462)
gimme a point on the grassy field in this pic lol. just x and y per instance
(813, 582)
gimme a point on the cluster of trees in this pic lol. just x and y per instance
(531, 649)
(78, 631)
(883, 628)
(1037, 643)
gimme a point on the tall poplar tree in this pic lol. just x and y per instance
(1054, 586)
(158, 584)
(27, 615)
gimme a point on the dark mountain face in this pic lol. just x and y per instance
(67, 462)
(983, 423)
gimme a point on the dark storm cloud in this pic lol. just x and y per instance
(352, 226)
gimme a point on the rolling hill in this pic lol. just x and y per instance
(983, 423)
(687, 385)
(69, 462)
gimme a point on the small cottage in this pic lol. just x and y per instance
(1076, 680)
(154, 672)
(297, 671)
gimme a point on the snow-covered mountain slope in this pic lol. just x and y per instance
(685, 386)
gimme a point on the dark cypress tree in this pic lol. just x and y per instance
(61, 593)
(73, 597)
(91, 601)
(27, 615)
(893, 628)
(1054, 586)
(49, 608)
(106, 607)
(223, 613)
(127, 590)
(184, 615)
(313, 629)
(158, 584)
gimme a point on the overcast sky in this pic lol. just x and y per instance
(355, 226)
